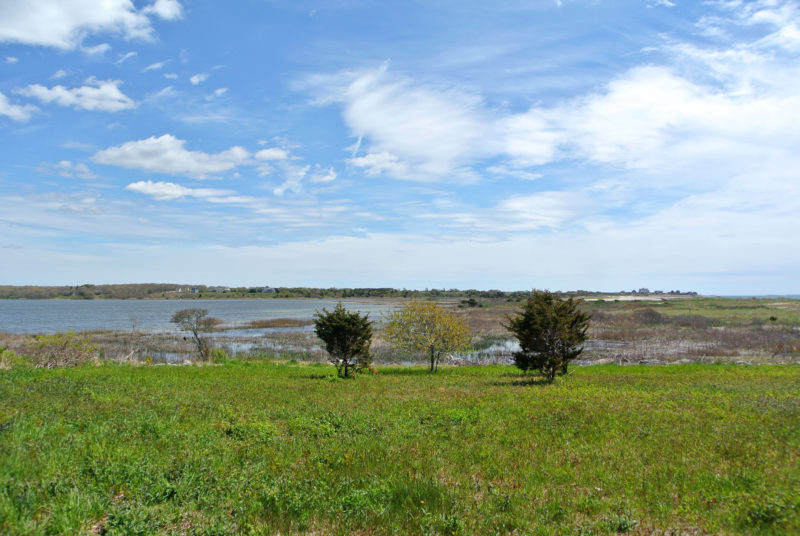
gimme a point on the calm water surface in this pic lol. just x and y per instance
(49, 316)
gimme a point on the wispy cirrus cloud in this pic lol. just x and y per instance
(155, 66)
(704, 106)
(125, 57)
(419, 131)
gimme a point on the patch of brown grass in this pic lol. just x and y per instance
(278, 323)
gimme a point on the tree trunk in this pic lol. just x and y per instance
(433, 359)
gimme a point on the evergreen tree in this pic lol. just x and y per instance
(551, 333)
(347, 337)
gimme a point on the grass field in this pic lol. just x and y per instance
(258, 447)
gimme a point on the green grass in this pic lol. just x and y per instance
(263, 448)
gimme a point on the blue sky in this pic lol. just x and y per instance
(601, 145)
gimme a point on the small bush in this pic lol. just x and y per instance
(218, 355)
(551, 332)
(648, 317)
(770, 512)
(250, 431)
(9, 358)
(61, 350)
(692, 321)
(347, 337)
(621, 524)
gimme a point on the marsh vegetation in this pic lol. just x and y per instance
(680, 330)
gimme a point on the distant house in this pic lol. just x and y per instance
(218, 289)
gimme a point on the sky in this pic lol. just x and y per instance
(515, 144)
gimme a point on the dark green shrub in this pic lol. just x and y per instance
(551, 333)
(347, 337)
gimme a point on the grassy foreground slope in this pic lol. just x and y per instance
(261, 448)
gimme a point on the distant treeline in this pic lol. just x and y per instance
(153, 290)
(173, 291)
(87, 292)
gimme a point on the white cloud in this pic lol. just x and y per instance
(81, 146)
(97, 95)
(15, 111)
(513, 172)
(713, 109)
(198, 78)
(529, 138)
(432, 129)
(61, 73)
(272, 153)
(663, 3)
(11, 59)
(155, 66)
(293, 180)
(170, 76)
(544, 209)
(217, 93)
(648, 118)
(168, 191)
(321, 176)
(167, 154)
(65, 23)
(66, 168)
(163, 92)
(124, 57)
(165, 9)
(378, 163)
(550, 211)
(97, 50)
